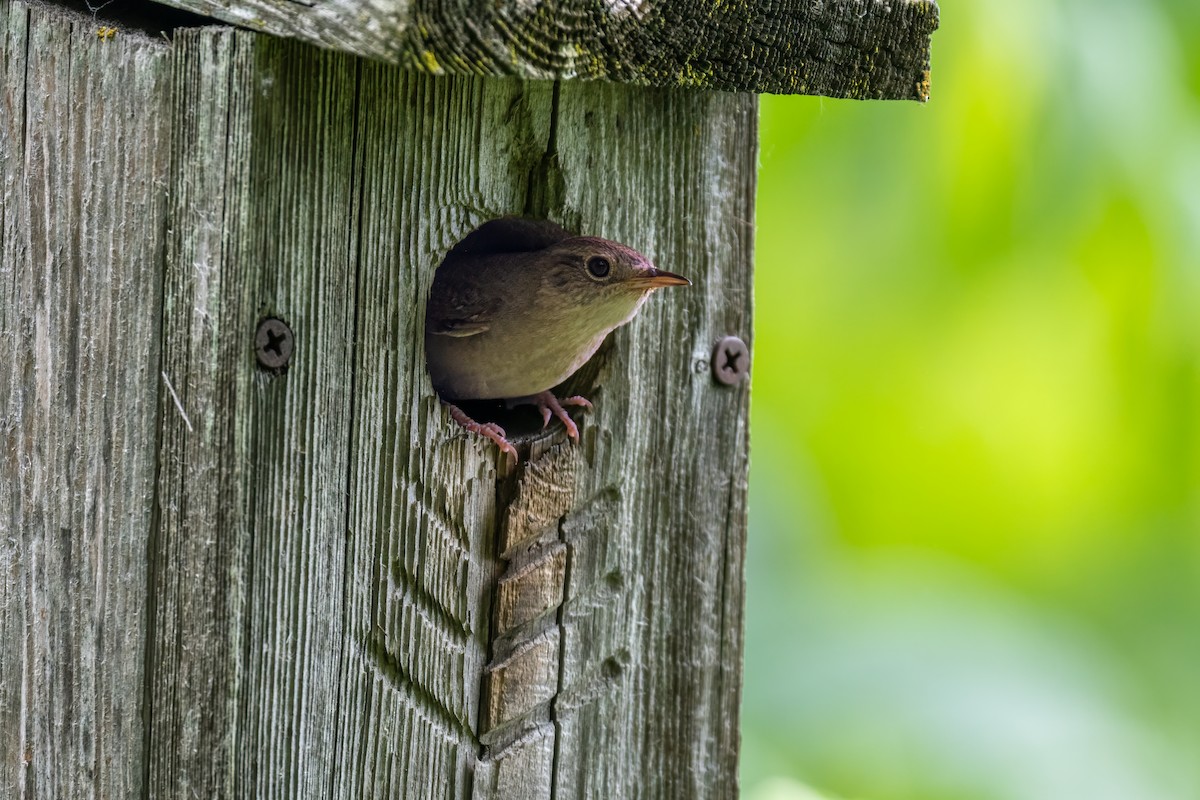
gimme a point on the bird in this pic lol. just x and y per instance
(518, 306)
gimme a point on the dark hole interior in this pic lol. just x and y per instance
(142, 15)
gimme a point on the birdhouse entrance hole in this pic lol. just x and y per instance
(459, 308)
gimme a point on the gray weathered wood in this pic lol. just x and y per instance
(841, 48)
(249, 556)
(323, 561)
(346, 595)
(363, 614)
(84, 128)
(435, 158)
(644, 648)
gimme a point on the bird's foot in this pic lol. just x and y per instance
(551, 406)
(488, 429)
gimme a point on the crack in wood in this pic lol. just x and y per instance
(547, 186)
(545, 528)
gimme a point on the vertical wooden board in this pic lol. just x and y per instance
(249, 554)
(651, 664)
(200, 539)
(635, 662)
(83, 163)
(304, 223)
(437, 158)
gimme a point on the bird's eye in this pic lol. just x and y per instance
(598, 266)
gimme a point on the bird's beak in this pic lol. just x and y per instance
(655, 279)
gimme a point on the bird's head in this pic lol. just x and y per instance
(601, 281)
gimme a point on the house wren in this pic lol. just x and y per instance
(518, 306)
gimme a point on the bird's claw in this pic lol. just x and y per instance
(488, 430)
(550, 406)
(547, 404)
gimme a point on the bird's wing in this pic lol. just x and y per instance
(459, 328)
(457, 307)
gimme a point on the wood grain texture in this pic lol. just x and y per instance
(437, 157)
(83, 166)
(326, 589)
(646, 644)
(840, 48)
(321, 619)
(249, 557)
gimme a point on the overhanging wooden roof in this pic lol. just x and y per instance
(868, 49)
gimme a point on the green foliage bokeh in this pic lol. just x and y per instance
(975, 483)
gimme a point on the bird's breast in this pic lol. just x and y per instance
(508, 360)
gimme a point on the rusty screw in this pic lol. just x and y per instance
(730, 360)
(273, 343)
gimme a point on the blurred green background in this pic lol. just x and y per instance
(975, 484)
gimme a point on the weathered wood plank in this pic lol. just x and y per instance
(249, 556)
(197, 556)
(325, 549)
(437, 157)
(84, 126)
(841, 48)
(303, 221)
(659, 527)
(646, 645)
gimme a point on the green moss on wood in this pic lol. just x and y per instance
(841, 48)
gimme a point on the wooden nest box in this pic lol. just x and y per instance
(247, 561)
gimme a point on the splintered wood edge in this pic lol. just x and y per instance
(864, 49)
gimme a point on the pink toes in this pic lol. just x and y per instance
(547, 404)
(577, 400)
(550, 405)
(489, 430)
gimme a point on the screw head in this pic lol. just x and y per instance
(273, 343)
(730, 361)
